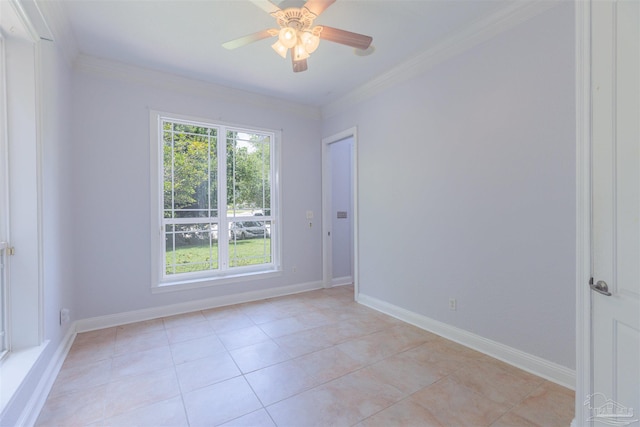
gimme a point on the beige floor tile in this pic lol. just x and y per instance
(136, 328)
(453, 404)
(342, 402)
(277, 382)
(405, 413)
(130, 393)
(315, 358)
(382, 344)
(220, 403)
(286, 326)
(140, 342)
(259, 418)
(292, 305)
(98, 336)
(405, 372)
(464, 353)
(326, 365)
(513, 370)
(304, 342)
(90, 351)
(140, 362)
(198, 348)
(242, 337)
(445, 358)
(73, 378)
(167, 413)
(183, 319)
(203, 372)
(258, 356)
(189, 332)
(221, 312)
(496, 383)
(549, 405)
(230, 321)
(262, 312)
(315, 318)
(74, 409)
(512, 420)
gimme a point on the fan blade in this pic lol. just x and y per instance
(243, 41)
(266, 5)
(318, 6)
(299, 66)
(359, 41)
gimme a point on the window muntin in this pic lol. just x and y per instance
(202, 171)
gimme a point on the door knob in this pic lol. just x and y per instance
(601, 287)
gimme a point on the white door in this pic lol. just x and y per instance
(615, 398)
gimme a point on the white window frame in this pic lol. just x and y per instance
(5, 326)
(225, 274)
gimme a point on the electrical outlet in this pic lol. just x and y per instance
(64, 316)
(453, 304)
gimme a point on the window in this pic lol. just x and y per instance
(216, 200)
(4, 211)
(4, 341)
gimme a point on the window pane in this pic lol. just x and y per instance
(249, 243)
(191, 247)
(190, 171)
(248, 173)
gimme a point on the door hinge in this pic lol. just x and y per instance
(11, 251)
(591, 281)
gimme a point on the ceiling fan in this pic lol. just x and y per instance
(298, 33)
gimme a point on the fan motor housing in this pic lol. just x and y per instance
(298, 18)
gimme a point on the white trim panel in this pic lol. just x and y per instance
(583, 210)
(525, 361)
(341, 281)
(39, 396)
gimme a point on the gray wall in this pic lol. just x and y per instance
(342, 197)
(111, 187)
(467, 189)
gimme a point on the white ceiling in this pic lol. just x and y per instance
(184, 37)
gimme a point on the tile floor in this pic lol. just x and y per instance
(312, 359)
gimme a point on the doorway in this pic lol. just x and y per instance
(339, 209)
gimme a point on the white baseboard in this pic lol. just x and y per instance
(341, 281)
(525, 361)
(39, 396)
(117, 319)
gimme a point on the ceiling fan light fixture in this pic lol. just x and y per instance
(288, 37)
(299, 52)
(280, 49)
(309, 41)
(297, 32)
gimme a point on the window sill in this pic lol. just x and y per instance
(181, 285)
(15, 369)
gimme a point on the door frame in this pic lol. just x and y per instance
(584, 366)
(327, 250)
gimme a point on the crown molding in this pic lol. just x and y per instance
(133, 74)
(56, 19)
(479, 31)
